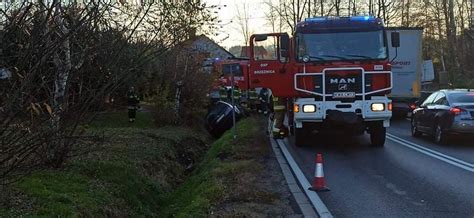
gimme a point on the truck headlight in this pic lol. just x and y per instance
(378, 107)
(309, 108)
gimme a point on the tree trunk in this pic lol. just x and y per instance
(407, 15)
(322, 7)
(62, 63)
(450, 23)
(371, 8)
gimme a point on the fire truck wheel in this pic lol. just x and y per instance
(300, 137)
(377, 135)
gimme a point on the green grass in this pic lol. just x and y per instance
(124, 177)
(92, 188)
(204, 188)
(62, 193)
(137, 173)
(120, 120)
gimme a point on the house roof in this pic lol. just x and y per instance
(218, 45)
(190, 42)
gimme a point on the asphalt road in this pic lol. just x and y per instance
(409, 177)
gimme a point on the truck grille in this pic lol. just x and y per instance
(343, 81)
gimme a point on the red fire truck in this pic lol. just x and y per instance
(225, 68)
(334, 72)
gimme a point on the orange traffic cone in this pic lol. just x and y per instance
(318, 182)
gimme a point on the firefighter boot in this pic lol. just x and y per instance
(279, 130)
(280, 133)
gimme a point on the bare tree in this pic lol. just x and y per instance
(273, 17)
(243, 20)
(65, 59)
(290, 11)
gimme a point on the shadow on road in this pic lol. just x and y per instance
(336, 142)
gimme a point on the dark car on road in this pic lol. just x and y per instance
(445, 113)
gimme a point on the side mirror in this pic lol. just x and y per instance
(395, 36)
(259, 38)
(285, 45)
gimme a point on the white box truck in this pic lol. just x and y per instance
(407, 68)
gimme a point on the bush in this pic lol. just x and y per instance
(164, 112)
(188, 78)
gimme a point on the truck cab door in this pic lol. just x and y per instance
(269, 63)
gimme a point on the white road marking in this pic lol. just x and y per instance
(301, 199)
(313, 197)
(432, 153)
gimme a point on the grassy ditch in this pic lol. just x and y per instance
(125, 176)
(164, 172)
(233, 179)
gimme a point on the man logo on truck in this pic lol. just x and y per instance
(342, 81)
(343, 87)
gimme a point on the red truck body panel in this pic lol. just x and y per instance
(223, 73)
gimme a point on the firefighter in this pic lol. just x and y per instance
(133, 100)
(223, 94)
(264, 99)
(279, 129)
(237, 95)
(252, 98)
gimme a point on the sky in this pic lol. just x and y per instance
(229, 34)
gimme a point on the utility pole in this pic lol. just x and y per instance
(234, 132)
(472, 15)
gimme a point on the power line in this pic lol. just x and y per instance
(250, 18)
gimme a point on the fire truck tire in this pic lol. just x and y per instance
(377, 135)
(300, 137)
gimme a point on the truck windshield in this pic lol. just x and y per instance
(342, 46)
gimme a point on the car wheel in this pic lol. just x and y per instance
(440, 136)
(414, 129)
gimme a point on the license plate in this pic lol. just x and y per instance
(343, 95)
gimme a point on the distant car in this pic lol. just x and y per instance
(444, 113)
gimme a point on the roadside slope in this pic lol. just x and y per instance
(235, 179)
(123, 176)
(159, 172)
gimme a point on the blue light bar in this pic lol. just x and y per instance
(354, 18)
(362, 18)
(315, 19)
